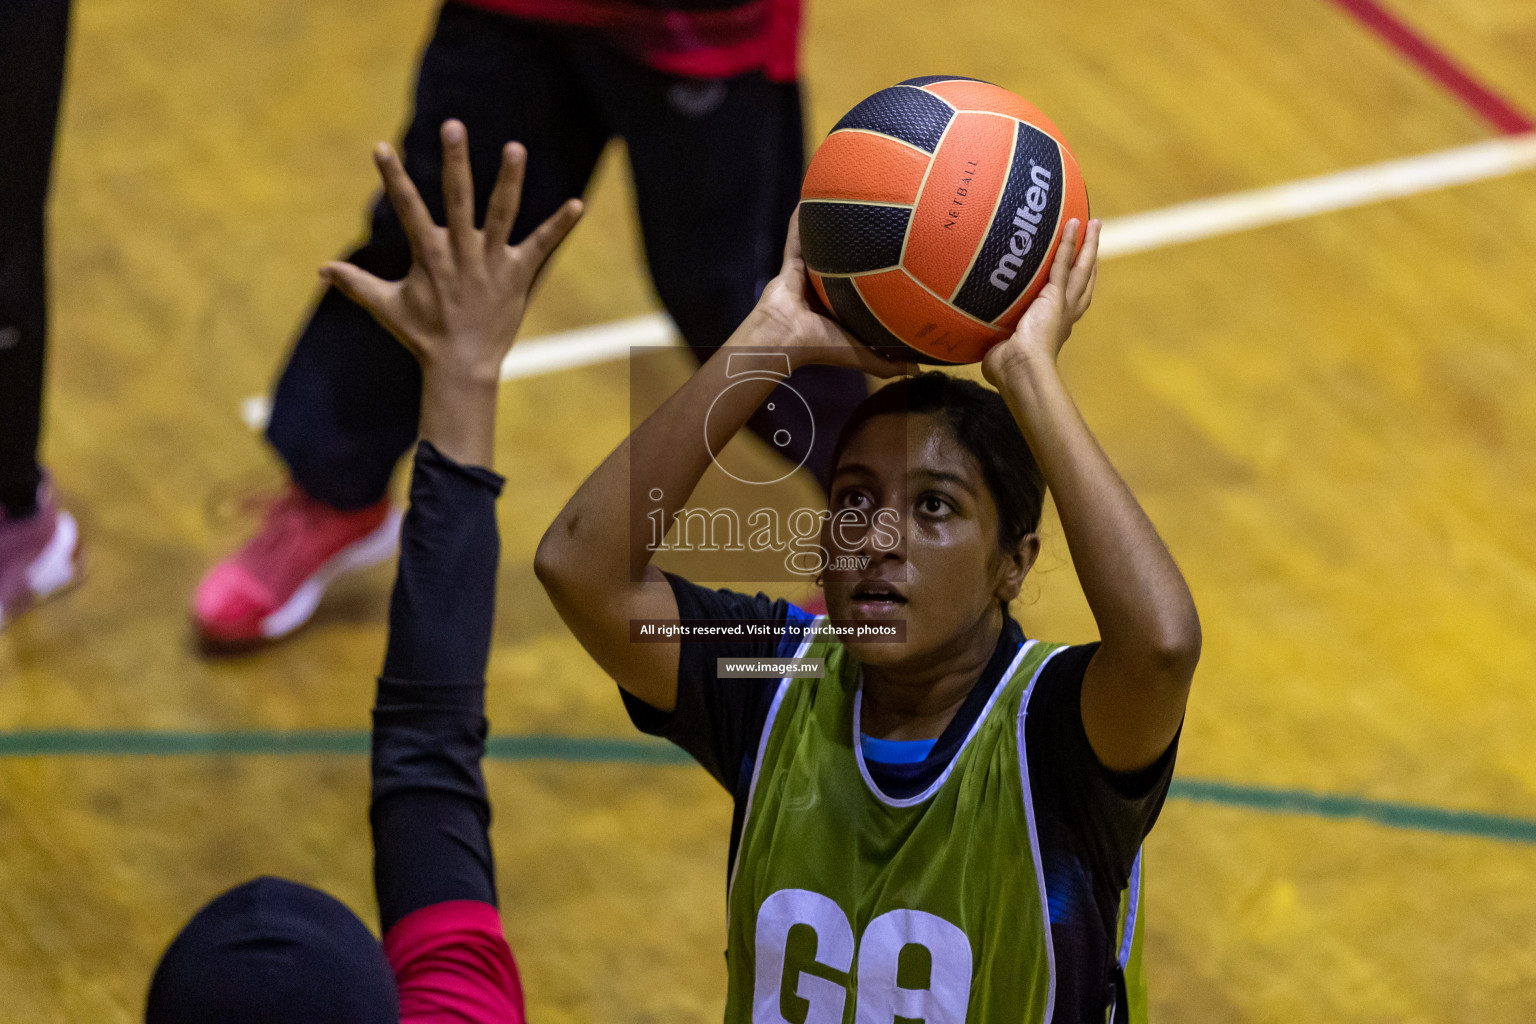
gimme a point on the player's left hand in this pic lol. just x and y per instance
(459, 307)
(1048, 321)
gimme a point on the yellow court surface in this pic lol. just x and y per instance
(1331, 418)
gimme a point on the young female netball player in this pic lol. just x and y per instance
(272, 950)
(945, 827)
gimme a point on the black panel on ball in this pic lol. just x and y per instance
(911, 115)
(851, 238)
(1022, 228)
(855, 315)
(930, 79)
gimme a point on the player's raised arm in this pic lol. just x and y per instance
(458, 310)
(444, 955)
(594, 560)
(1136, 687)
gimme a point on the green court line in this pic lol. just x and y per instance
(604, 750)
(153, 743)
(1418, 817)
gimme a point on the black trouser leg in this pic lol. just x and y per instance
(717, 168)
(32, 45)
(347, 405)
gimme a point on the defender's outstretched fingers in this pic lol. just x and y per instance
(406, 201)
(372, 293)
(506, 197)
(548, 236)
(458, 189)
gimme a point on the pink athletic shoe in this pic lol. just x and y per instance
(274, 584)
(38, 555)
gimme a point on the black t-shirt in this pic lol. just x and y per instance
(1091, 821)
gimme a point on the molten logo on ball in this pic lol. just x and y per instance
(1027, 220)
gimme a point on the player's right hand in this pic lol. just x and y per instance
(783, 318)
(1049, 320)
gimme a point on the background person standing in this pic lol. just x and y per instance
(705, 97)
(38, 540)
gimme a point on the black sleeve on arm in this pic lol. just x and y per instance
(718, 721)
(429, 809)
(1108, 813)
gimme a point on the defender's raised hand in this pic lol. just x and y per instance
(459, 307)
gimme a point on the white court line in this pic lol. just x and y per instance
(586, 345)
(1140, 232)
(1341, 190)
(567, 350)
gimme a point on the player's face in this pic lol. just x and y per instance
(930, 555)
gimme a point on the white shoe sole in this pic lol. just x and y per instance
(360, 554)
(55, 568)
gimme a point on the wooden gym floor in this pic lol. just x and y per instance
(1332, 421)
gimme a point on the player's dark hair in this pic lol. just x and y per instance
(981, 422)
